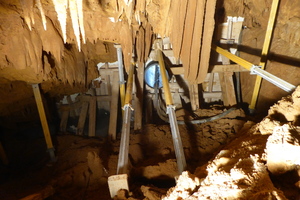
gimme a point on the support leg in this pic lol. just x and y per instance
(40, 106)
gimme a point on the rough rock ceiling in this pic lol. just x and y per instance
(57, 29)
(40, 56)
(48, 42)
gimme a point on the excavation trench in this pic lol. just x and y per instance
(84, 164)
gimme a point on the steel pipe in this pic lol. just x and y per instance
(181, 162)
(180, 158)
(124, 144)
(257, 70)
(272, 79)
(121, 73)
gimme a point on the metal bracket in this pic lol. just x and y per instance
(128, 106)
(170, 107)
(252, 70)
(272, 78)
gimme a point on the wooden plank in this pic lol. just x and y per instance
(194, 96)
(92, 116)
(210, 85)
(196, 49)
(138, 108)
(212, 95)
(215, 69)
(230, 91)
(188, 35)
(149, 109)
(225, 61)
(82, 117)
(41, 195)
(178, 11)
(148, 39)
(114, 106)
(226, 81)
(223, 88)
(177, 70)
(99, 98)
(208, 30)
(64, 121)
(140, 44)
(72, 110)
(228, 68)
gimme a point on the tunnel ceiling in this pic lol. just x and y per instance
(31, 54)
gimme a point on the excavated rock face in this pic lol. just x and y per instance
(260, 163)
(61, 58)
(32, 54)
(284, 57)
(40, 56)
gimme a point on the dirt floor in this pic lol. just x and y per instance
(230, 158)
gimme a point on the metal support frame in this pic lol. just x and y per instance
(121, 74)
(272, 79)
(180, 157)
(264, 54)
(41, 110)
(120, 181)
(124, 146)
(254, 69)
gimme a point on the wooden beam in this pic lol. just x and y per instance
(92, 116)
(187, 40)
(194, 96)
(228, 68)
(215, 69)
(72, 110)
(226, 81)
(208, 29)
(230, 91)
(98, 98)
(223, 88)
(114, 106)
(199, 34)
(210, 85)
(215, 95)
(41, 195)
(149, 110)
(64, 121)
(82, 117)
(138, 101)
(177, 70)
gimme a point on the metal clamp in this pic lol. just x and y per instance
(252, 70)
(272, 78)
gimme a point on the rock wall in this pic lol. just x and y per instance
(284, 57)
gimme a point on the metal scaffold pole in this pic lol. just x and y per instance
(180, 157)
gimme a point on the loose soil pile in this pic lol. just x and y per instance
(227, 159)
